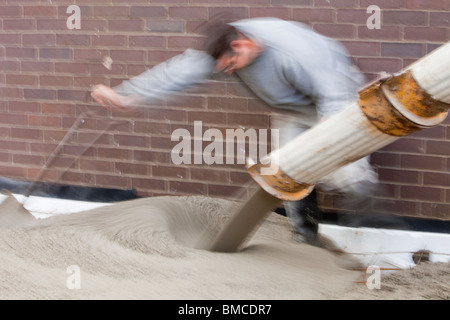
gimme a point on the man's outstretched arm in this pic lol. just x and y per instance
(164, 80)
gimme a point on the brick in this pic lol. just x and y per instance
(166, 115)
(385, 159)
(79, 151)
(72, 40)
(438, 147)
(51, 80)
(169, 171)
(406, 145)
(420, 193)
(72, 68)
(6, 66)
(10, 11)
(384, 33)
(132, 169)
(21, 79)
(192, 102)
(76, 95)
(358, 16)
(403, 17)
(21, 52)
(435, 210)
(148, 183)
(422, 162)
(110, 11)
(128, 55)
(240, 2)
(89, 54)
(55, 53)
(9, 39)
(12, 172)
(46, 94)
(24, 106)
(18, 24)
(117, 70)
(437, 132)
(207, 117)
(428, 4)
(26, 133)
(56, 108)
(227, 104)
(415, 50)
(313, 15)
(125, 25)
(248, 120)
(114, 153)
(148, 12)
(36, 66)
(44, 120)
(96, 165)
(86, 82)
(81, 178)
(398, 207)
(436, 179)
(157, 56)
(181, 187)
(384, 4)
(216, 190)
(8, 92)
(184, 42)
(282, 13)
(153, 128)
(152, 156)
(39, 11)
(52, 24)
(398, 176)
(234, 13)
(202, 174)
(439, 19)
(188, 12)
(162, 143)
(379, 64)
(28, 159)
(146, 41)
(131, 141)
(239, 178)
(136, 69)
(94, 25)
(294, 3)
(341, 31)
(426, 33)
(362, 48)
(13, 146)
(337, 3)
(38, 39)
(165, 25)
(108, 40)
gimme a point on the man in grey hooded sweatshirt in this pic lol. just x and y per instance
(307, 77)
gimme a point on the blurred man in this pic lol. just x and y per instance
(305, 76)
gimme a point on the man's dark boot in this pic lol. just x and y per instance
(305, 215)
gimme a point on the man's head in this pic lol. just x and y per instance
(231, 49)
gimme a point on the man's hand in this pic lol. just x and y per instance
(108, 98)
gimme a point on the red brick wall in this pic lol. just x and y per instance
(47, 70)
